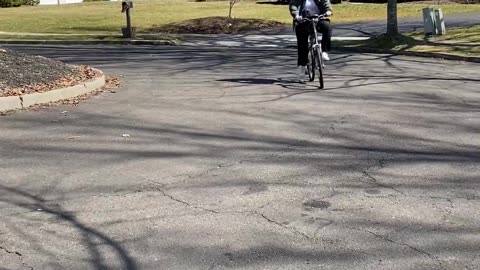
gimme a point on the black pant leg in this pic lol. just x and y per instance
(301, 31)
(325, 28)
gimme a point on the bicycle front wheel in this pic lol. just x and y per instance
(311, 66)
(319, 66)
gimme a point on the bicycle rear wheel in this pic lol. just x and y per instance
(319, 66)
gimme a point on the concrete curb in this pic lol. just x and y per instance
(10, 103)
(408, 53)
(25, 101)
(86, 42)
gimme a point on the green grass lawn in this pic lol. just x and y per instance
(464, 34)
(457, 41)
(105, 17)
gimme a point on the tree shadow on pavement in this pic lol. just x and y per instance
(371, 146)
(94, 240)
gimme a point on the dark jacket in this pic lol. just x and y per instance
(296, 6)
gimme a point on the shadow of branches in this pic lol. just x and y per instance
(386, 131)
(92, 239)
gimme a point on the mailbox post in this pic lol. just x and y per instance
(129, 31)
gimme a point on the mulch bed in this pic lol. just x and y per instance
(25, 74)
(215, 25)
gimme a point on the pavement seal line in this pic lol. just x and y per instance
(386, 239)
(24, 101)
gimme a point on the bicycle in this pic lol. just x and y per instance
(315, 59)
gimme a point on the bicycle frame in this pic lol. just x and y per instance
(315, 44)
(315, 62)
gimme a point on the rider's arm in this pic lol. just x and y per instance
(325, 5)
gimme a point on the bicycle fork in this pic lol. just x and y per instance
(317, 46)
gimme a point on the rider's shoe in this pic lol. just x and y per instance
(301, 72)
(325, 56)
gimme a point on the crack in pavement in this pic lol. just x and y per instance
(274, 154)
(18, 254)
(295, 231)
(380, 164)
(165, 194)
(284, 226)
(375, 182)
(386, 239)
(11, 252)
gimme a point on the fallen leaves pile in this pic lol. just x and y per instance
(215, 25)
(22, 74)
(112, 82)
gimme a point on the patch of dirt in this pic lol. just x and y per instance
(215, 25)
(113, 82)
(25, 74)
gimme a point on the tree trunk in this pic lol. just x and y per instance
(232, 2)
(392, 26)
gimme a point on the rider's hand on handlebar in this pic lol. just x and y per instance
(329, 13)
(298, 18)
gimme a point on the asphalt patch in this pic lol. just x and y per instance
(317, 204)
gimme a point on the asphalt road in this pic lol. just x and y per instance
(230, 164)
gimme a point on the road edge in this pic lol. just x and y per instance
(24, 101)
(472, 59)
(85, 42)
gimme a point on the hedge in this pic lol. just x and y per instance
(17, 3)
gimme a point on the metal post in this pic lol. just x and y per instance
(128, 32)
(129, 24)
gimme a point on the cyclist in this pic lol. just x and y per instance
(305, 8)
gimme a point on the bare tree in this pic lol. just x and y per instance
(392, 25)
(232, 3)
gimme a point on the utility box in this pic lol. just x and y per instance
(433, 22)
(439, 22)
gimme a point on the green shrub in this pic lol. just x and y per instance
(5, 3)
(31, 2)
(17, 3)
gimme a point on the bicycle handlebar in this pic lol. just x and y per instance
(318, 17)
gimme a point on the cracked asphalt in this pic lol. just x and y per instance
(231, 164)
